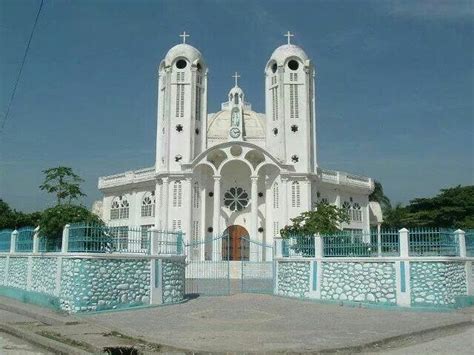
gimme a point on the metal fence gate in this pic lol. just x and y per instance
(213, 268)
(206, 271)
(257, 270)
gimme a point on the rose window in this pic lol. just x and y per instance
(236, 199)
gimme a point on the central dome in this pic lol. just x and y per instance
(253, 122)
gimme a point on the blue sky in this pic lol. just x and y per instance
(394, 84)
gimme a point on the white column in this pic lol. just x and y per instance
(461, 237)
(188, 212)
(404, 244)
(202, 225)
(36, 240)
(166, 203)
(254, 217)
(158, 204)
(216, 217)
(379, 240)
(65, 243)
(284, 201)
(13, 239)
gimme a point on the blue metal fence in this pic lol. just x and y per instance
(389, 244)
(349, 244)
(49, 245)
(5, 240)
(24, 240)
(469, 236)
(433, 242)
(298, 245)
(93, 238)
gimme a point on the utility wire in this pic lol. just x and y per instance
(21, 68)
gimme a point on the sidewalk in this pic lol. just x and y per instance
(242, 322)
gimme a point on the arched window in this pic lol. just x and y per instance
(120, 208)
(276, 195)
(196, 195)
(356, 212)
(148, 204)
(177, 194)
(295, 194)
(346, 206)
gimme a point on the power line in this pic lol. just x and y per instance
(21, 67)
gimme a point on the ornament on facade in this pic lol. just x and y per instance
(236, 199)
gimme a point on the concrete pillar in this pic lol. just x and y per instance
(379, 240)
(318, 246)
(36, 240)
(65, 243)
(404, 243)
(166, 200)
(13, 239)
(284, 200)
(461, 237)
(202, 226)
(217, 246)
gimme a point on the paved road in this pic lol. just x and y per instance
(461, 343)
(252, 322)
(13, 345)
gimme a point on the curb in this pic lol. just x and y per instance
(43, 342)
(378, 345)
(46, 319)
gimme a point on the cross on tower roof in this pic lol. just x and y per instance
(289, 35)
(236, 76)
(183, 36)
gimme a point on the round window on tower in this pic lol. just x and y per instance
(181, 64)
(293, 65)
(274, 67)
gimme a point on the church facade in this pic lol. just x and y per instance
(235, 171)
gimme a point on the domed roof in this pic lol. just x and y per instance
(253, 122)
(183, 50)
(288, 50)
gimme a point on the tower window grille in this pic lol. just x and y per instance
(196, 195)
(294, 111)
(276, 196)
(176, 225)
(276, 229)
(198, 103)
(275, 103)
(295, 194)
(177, 194)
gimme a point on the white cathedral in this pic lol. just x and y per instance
(235, 171)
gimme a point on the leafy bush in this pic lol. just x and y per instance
(54, 219)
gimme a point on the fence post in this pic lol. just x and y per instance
(318, 246)
(65, 245)
(36, 240)
(153, 240)
(278, 246)
(13, 239)
(404, 243)
(461, 237)
(379, 240)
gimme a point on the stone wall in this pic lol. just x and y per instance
(358, 281)
(173, 275)
(17, 272)
(437, 283)
(98, 284)
(293, 278)
(43, 275)
(3, 265)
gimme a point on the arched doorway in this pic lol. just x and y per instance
(235, 243)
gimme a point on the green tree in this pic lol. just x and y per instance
(63, 182)
(325, 219)
(451, 208)
(54, 219)
(13, 219)
(378, 196)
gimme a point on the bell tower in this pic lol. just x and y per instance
(236, 105)
(182, 107)
(290, 107)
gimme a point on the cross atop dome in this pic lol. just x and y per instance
(183, 36)
(236, 77)
(289, 35)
